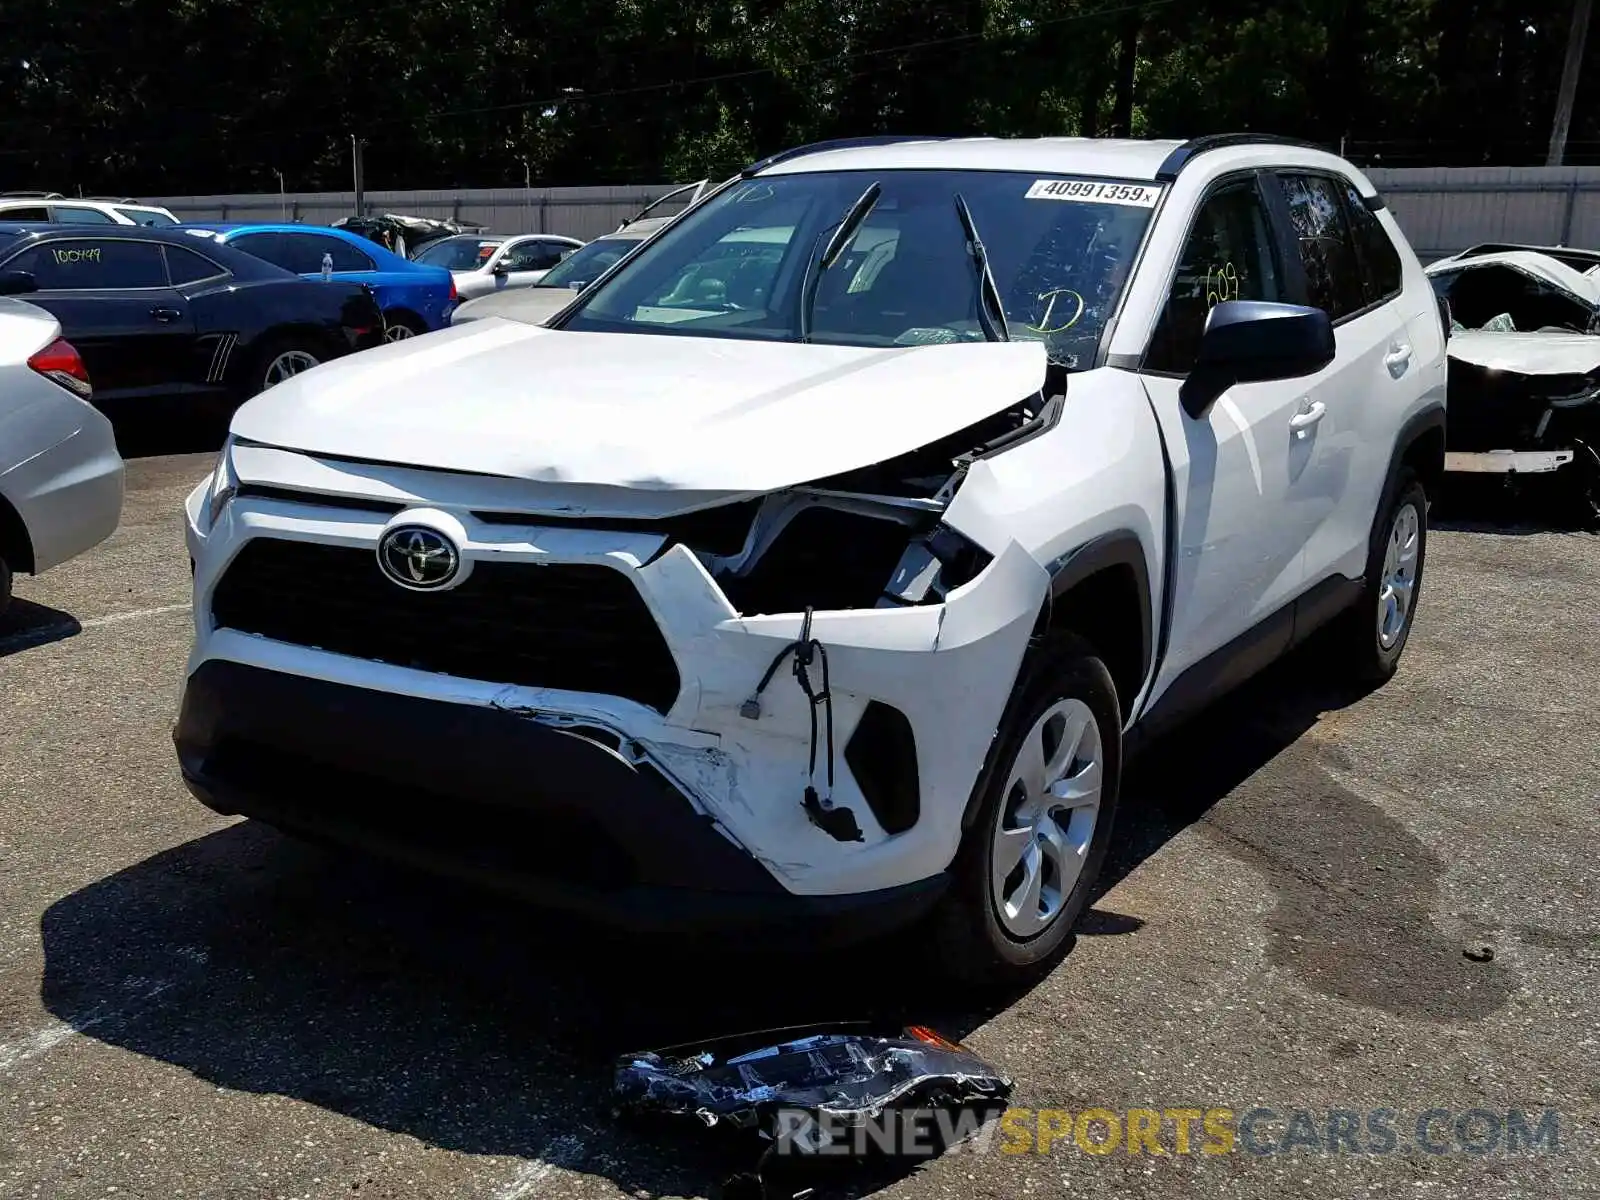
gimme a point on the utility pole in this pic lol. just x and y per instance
(283, 199)
(358, 175)
(1569, 81)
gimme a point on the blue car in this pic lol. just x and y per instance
(415, 298)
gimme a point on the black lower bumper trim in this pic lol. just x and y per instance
(487, 796)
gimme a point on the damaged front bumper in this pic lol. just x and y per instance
(652, 815)
(1507, 462)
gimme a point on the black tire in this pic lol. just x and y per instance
(1357, 648)
(1584, 477)
(395, 319)
(5, 586)
(969, 941)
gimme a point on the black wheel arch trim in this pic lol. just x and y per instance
(1417, 426)
(1119, 548)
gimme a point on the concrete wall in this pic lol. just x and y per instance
(1446, 209)
(581, 212)
(1442, 209)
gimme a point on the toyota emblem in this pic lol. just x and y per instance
(419, 558)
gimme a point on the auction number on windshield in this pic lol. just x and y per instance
(1095, 191)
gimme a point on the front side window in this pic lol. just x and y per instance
(1229, 256)
(534, 256)
(1059, 249)
(90, 264)
(588, 263)
(1327, 250)
(80, 216)
(458, 253)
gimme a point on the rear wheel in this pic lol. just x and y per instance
(285, 364)
(1371, 636)
(1027, 867)
(399, 326)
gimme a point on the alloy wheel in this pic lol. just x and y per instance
(1398, 583)
(287, 365)
(1047, 818)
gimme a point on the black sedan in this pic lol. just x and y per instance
(165, 317)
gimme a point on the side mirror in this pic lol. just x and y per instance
(1249, 341)
(17, 283)
(500, 268)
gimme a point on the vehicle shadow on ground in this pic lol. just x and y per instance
(25, 625)
(1494, 505)
(263, 965)
(173, 429)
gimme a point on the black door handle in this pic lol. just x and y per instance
(165, 315)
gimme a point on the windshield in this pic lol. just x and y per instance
(143, 216)
(459, 253)
(587, 263)
(1059, 248)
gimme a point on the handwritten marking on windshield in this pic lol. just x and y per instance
(1050, 299)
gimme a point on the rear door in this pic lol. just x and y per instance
(1350, 412)
(111, 295)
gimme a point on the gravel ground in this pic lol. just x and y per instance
(191, 1006)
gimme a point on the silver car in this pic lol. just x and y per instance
(549, 295)
(60, 473)
(484, 264)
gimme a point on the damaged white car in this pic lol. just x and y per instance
(1525, 366)
(819, 577)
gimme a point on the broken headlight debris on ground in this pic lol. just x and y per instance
(819, 1093)
(1525, 366)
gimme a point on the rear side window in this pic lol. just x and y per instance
(1380, 261)
(185, 266)
(307, 249)
(90, 264)
(1228, 257)
(80, 216)
(1327, 249)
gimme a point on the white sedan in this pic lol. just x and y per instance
(482, 265)
(60, 474)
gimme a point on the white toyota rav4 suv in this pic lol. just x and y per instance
(823, 582)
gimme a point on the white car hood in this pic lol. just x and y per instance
(1580, 286)
(1528, 353)
(638, 410)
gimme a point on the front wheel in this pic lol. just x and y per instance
(1028, 864)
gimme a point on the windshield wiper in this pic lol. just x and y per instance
(818, 263)
(991, 312)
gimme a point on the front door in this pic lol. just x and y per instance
(1242, 514)
(134, 332)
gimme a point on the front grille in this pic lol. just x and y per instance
(576, 627)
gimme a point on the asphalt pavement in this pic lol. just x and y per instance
(1322, 908)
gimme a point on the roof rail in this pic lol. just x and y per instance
(1179, 158)
(32, 196)
(113, 199)
(881, 139)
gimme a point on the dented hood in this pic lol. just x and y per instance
(638, 410)
(1528, 353)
